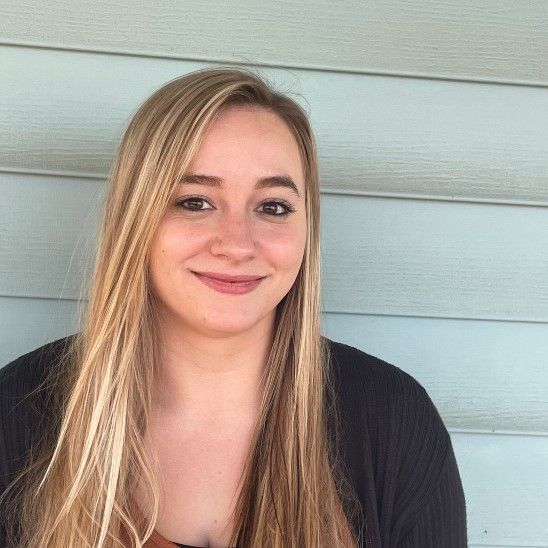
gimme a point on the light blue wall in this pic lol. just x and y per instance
(431, 120)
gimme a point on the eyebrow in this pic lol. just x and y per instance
(272, 181)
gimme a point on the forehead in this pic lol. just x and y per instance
(250, 141)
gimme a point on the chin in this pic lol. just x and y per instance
(219, 330)
(233, 322)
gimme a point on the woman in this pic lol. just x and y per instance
(199, 405)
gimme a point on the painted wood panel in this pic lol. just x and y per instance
(505, 481)
(380, 255)
(64, 112)
(485, 375)
(506, 545)
(48, 234)
(416, 279)
(493, 378)
(507, 468)
(425, 258)
(28, 323)
(492, 40)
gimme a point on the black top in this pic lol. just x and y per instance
(394, 448)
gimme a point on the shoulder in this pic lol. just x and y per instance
(23, 374)
(384, 393)
(392, 422)
(24, 415)
(23, 396)
(366, 377)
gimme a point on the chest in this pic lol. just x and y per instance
(198, 471)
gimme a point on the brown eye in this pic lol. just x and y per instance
(272, 205)
(193, 203)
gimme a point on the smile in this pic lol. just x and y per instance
(235, 288)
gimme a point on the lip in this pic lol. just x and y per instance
(228, 277)
(224, 286)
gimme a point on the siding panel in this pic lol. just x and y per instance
(48, 232)
(29, 323)
(481, 374)
(411, 272)
(380, 256)
(505, 482)
(509, 469)
(64, 112)
(493, 379)
(492, 40)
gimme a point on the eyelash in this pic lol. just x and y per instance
(287, 205)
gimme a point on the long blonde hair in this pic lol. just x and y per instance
(83, 477)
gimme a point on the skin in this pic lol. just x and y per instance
(216, 343)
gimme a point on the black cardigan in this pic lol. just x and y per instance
(393, 447)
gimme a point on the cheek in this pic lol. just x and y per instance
(172, 244)
(166, 250)
(282, 245)
(286, 248)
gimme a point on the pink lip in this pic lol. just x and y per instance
(228, 277)
(235, 288)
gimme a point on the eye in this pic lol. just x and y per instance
(192, 203)
(191, 200)
(288, 207)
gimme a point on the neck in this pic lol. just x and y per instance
(212, 377)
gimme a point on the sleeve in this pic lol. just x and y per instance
(6, 376)
(20, 418)
(3, 532)
(431, 503)
(442, 520)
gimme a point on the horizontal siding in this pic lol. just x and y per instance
(484, 375)
(48, 233)
(442, 259)
(64, 112)
(498, 40)
(493, 380)
(505, 483)
(34, 322)
(379, 255)
(509, 469)
(406, 278)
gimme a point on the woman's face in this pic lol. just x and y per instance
(237, 226)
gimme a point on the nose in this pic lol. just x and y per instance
(235, 238)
